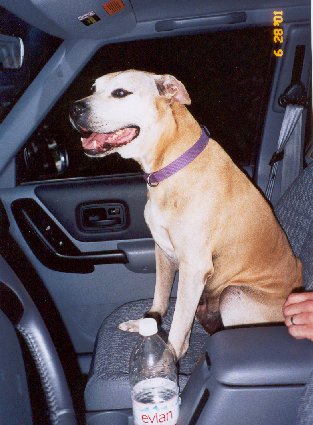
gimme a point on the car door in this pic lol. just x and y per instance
(89, 245)
(83, 240)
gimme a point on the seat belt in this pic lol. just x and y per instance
(289, 143)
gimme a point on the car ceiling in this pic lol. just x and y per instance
(115, 18)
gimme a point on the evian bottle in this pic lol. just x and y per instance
(153, 378)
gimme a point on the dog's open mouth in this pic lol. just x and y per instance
(99, 143)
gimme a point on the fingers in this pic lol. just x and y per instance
(298, 297)
(298, 313)
(297, 308)
(299, 319)
(301, 331)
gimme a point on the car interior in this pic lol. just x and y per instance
(76, 256)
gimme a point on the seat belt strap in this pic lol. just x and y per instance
(289, 143)
(291, 165)
(289, 152)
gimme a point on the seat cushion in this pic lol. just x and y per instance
(295, 214)
(306, 256)
(108, 386)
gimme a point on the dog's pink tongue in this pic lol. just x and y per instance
(94, 141)
(98, 141)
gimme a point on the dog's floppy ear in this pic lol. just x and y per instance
(169, 87)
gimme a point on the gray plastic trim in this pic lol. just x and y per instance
(139, 17)
(140, 255)
(260, 356)
(41, 95)
(251, 376)
(64, 18)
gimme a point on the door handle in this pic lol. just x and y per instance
(102, 216)
(94, 222)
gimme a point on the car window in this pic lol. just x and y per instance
(38, 48)
(227, 74)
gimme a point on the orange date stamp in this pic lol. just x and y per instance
(278, 32)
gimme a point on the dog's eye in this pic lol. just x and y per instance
(120, 93)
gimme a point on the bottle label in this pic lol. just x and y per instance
(155, 401)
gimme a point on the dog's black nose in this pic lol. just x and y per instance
(78, 108)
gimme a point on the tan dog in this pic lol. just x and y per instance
(208, 220)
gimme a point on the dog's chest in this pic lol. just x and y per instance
(158, 225)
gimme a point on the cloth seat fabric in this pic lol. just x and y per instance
(108, 385)
(295, 213)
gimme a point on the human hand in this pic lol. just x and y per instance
(298, 313)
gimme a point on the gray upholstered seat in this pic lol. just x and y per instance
(108, 386)
(295, 214)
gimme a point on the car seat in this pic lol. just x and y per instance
(295, 213)
(108, 387)
(108, 381)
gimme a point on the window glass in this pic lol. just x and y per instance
(227, 74)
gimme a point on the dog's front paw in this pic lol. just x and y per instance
(130, 326)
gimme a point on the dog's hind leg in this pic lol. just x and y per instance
(165, 273)
(242, 305)
(208, 313)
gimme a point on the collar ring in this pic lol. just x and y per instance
(151, 184)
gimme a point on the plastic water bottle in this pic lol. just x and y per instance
(153, 378)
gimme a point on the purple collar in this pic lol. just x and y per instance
(153, 179)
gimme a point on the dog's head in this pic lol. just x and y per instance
(124, 110)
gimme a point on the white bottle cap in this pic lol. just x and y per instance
(148, 327)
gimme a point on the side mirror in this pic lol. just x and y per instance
(11, 52)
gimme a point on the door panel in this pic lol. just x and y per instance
(66, 205)
(85, 295)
